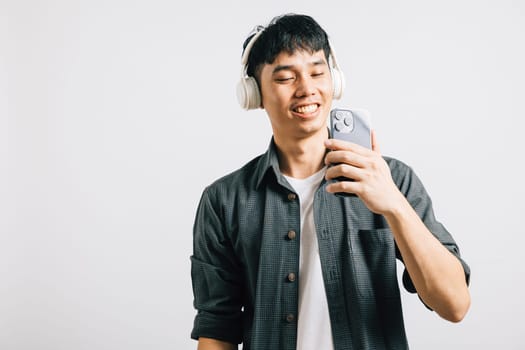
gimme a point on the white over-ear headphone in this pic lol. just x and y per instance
(248, 93)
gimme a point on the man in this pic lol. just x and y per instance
(280, 261)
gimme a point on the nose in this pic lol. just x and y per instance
(305, 86)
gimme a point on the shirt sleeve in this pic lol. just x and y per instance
(413, 189)
(216, 278)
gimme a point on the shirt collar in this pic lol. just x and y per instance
(269, 160)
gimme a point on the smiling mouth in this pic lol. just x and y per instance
(306, 109)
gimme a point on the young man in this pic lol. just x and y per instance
(280, 261)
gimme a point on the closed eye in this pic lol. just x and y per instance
(283, 79)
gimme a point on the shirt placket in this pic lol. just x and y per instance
(291, 234)
(328, 238)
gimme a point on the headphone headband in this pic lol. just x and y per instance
(258, 30)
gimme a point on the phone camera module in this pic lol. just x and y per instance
(349, 122)
(342, 114)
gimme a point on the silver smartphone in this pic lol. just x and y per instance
(352, 125)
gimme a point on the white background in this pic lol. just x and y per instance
(114, 115)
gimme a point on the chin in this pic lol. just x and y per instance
(314, 127)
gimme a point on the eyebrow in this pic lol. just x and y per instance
(279, 68)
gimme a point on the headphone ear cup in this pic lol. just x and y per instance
(338, 81)
(248, 93)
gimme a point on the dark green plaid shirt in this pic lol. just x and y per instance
(246, 243)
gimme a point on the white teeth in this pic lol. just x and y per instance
(306, 109)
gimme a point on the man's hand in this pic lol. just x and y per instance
(437, 275)
(372, 179)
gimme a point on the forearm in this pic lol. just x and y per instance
(436, 273)
(213, 344)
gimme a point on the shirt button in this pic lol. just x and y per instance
(290, 318)
(291, 234)
(292, 196)
(291, 277)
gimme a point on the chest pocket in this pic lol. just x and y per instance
(374, 263)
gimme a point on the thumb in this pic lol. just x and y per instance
(375, 145)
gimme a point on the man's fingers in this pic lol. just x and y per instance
(340, 145)
(343, 170)
(343, 186)
(346, 157)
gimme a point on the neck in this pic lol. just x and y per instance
(301, 158)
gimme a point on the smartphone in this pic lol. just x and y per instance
(352, 125)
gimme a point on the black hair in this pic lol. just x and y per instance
(286, 33)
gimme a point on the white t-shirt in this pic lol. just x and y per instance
(313, 322)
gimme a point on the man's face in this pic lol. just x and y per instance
(297, 93)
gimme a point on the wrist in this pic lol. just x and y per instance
(399, 208)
